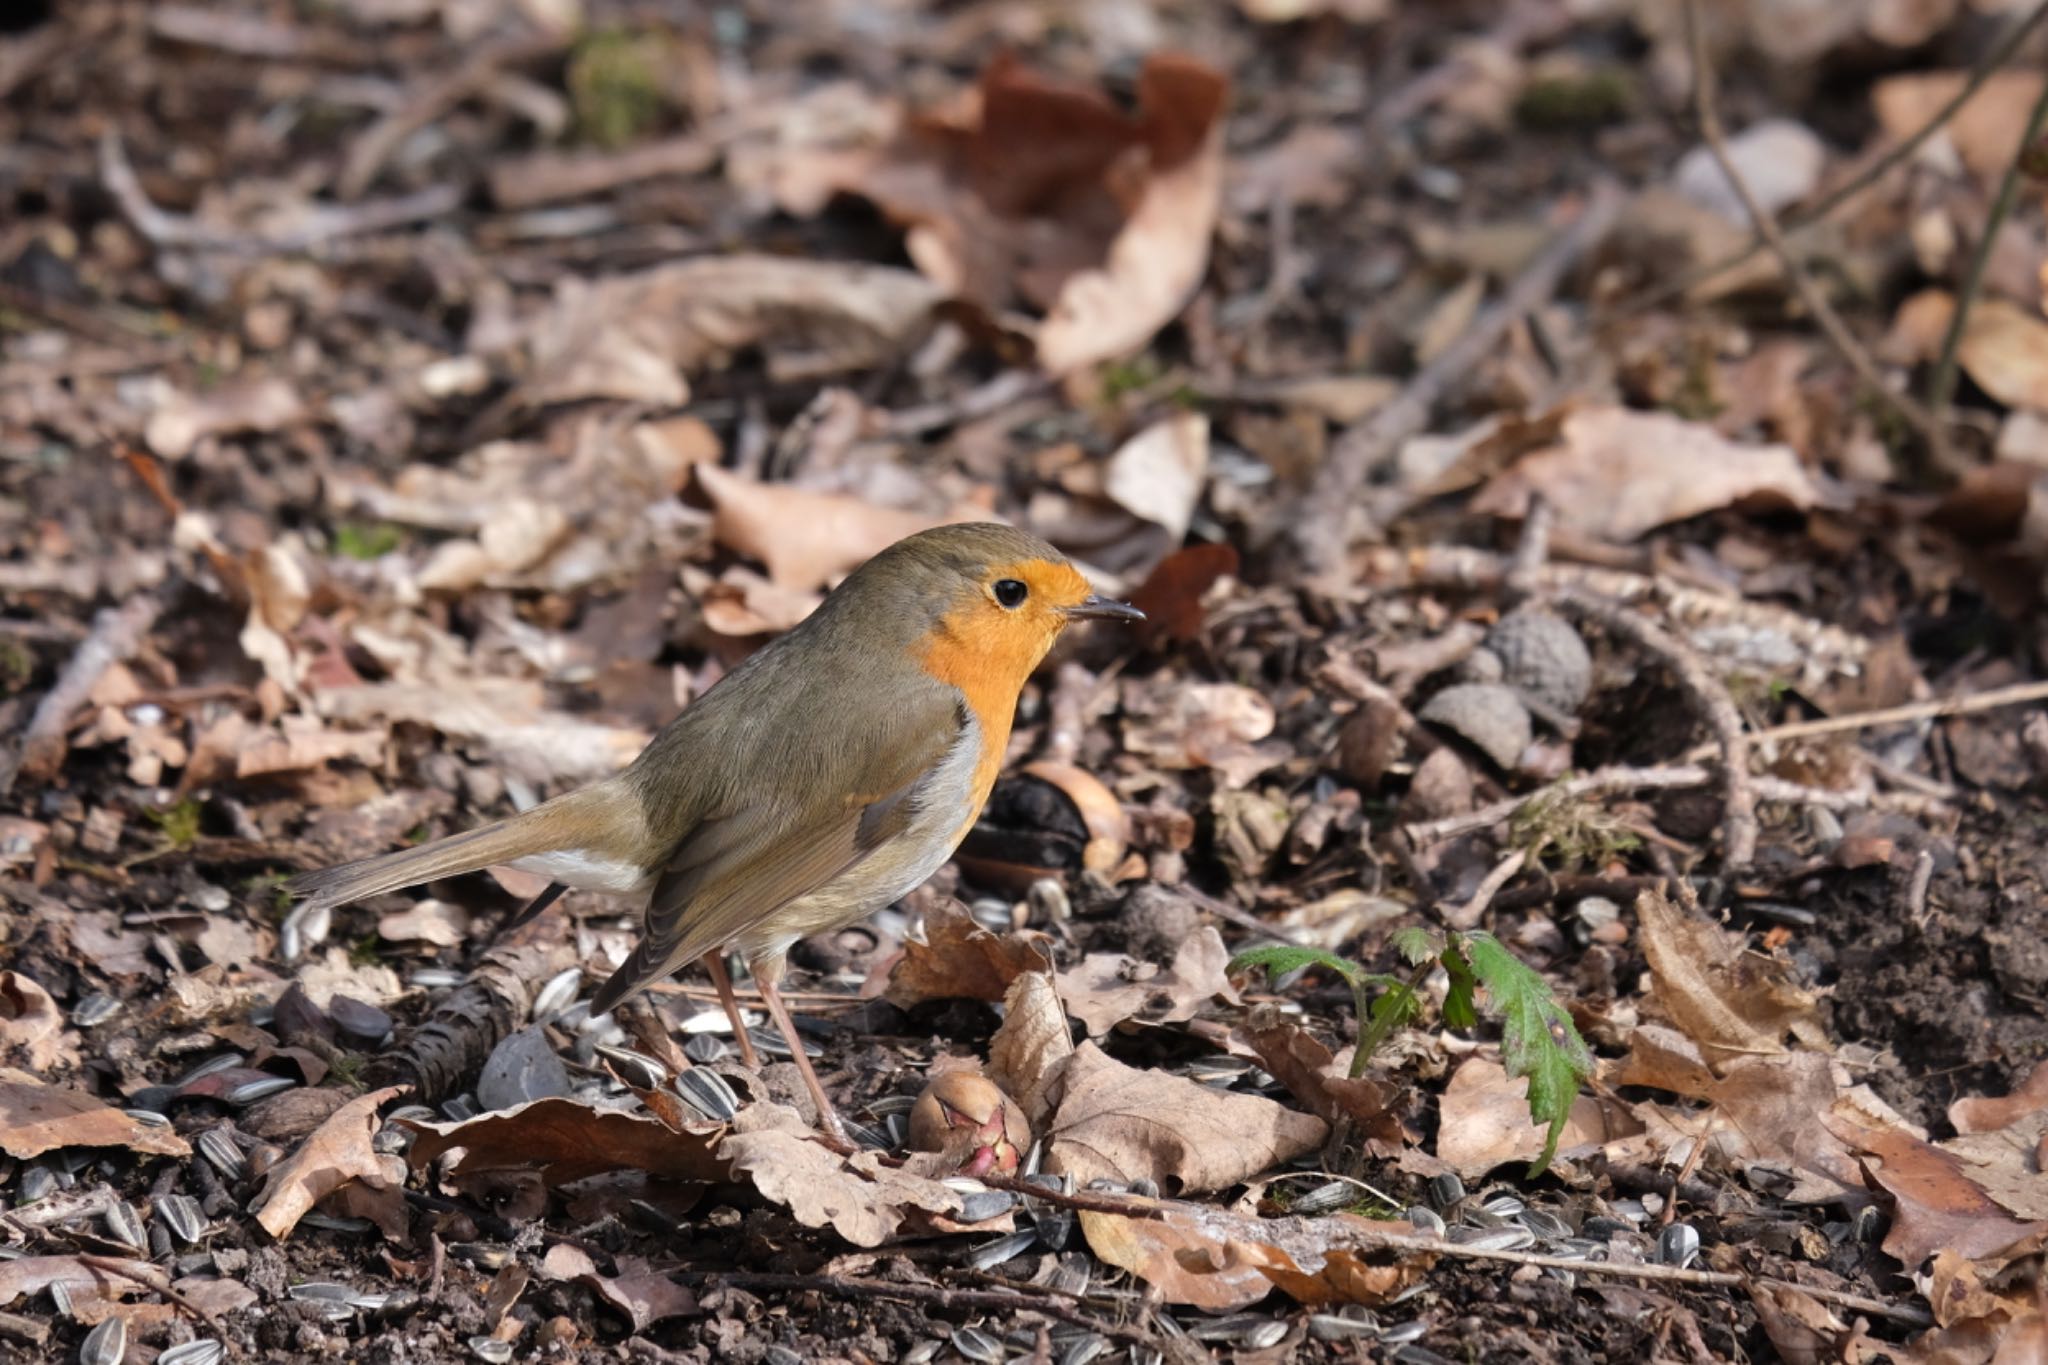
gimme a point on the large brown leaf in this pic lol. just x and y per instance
(36, 1117)
(338, 1151)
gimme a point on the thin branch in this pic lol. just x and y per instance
(1892, 157)
(1941, 385)
(2019, 694)
(1472, 911)
(1707, 109)
(1319, 526)
(117, 633)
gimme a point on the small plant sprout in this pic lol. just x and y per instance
(1538, 1039)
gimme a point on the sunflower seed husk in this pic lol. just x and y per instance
(60, 1298)
(1074, 1275)
(982, 1205)
(434, 978)
(705, 1048)
(1145, 1187)
(1334, 1327)
(1401, 1333)
(978, 1346)
(1504, 1206)
(491, 1349)
(222, 1153)
(321, 1291)
(1264, 1336)
(1002, 1250)
(1325, 1198)
(37, 1182)
(1445, 1190)
(556, 992)
(124, 1225)
(1678, 1245)
(481, 1255)
(205, 1351)
(248, 1092)
(149, 1118)
(96, 1008)
(1055, 1227)
(923, 1352)
(459, 1108)
(706, 1091)
(782, 1355)
(1419, 1355)
(874, 1139)
(223, 1062)
(105, 1344)
(1547, 1226)
(360, 1021)
(328, 1222)
(180, 1213)
(1510, 1238)
(416, 1113)
(1084, 1349)
(636, 1069)
(398, 1303)
(1427, 1221)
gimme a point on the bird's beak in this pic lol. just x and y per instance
(1093, 608)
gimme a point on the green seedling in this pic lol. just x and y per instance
(1538, 1039)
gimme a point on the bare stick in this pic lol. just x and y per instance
(429, 100)
(1708, 111)
(1470, 913)
(1709, 694)
(117, 632)
(1941, 385)
(2019, 694)
(1876, 170)
(1319, 526)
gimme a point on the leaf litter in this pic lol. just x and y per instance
(413, 457)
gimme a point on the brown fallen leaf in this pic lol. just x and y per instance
(32, 1025)
(1105, 989)
(1937, 1204)
(248, 403)
(807, 539)
(1802, 1328)
(862, 1200)
(1619, 473)
(644, 1295)
(1730, 1000)
(1982, 1114)
(338, 1151)
(28, 1276)
(960, 960)
(566, 1140)
(1158, 475)
(508, 716)
(1171, 595)
(1117, 1122)
(1977, 1322)
(1029, 1050)
(1985, 131)
(1311, 1074)
(1483, 1120)
(37, 1117)
(1220, 1262)
(1204, 725)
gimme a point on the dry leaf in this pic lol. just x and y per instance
(1310, 1072)
(506, 715)
(1979, 1114)
(1985, 132)
(1937, 1205)
(1729, 1000)
(1204, 725)
(28, 1276)
(1483, 1120)
(1029, 1050)
(644, 1295)
(337, 1152)
(635, 337)
(1620, 473)
(566, 1140)
(1158, 475)
(1113, 1121)
(429, 921)
(857, 1197)
(1779, 161)
(37, 1117)
(31, 1024)
(1221, 1262)
(1171, 595)
(1105, 989)
(960, 960)
(245, 404)
(808, 540)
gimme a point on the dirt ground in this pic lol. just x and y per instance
(409, 406)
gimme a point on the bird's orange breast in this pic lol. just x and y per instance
(989, 658)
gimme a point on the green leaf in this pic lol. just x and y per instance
(1417, 944)
(366, 540)
(1281, 958)
(1537, 1036)
(1461, 1009)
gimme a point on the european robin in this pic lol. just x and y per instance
(825, 777)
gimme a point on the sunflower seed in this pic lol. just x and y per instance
(124, 1225)
(1224, 1329)
(491, 1349)
(782, 1355)
(360, 1021)
(705, 1048)
(1055, 1227)
(180, 1213)
(105, 1344)
(1084, 1349)
(874, 1139)
(1325, 1198)
(369, 1303)
(1547, 1226)
(636, 1069)
(60, 1298)
(1418, 1355)
(37, 1182)
(1504, 1206)
(222, 1153)
(1334, 1327)
(434, 978)
(1001, 1251)
(557, 991)
(205, 1351)
(96, 1008)
(1678, 1245)
(1511, 1238)
(1401, 1333)
(225, 1061)
(416, 1113)
(1631, 1209)
(706, 1091)
(460, 1108)
(327, 1222)
(1445, 1190)
(923, 1352)
(1576, 1249)
(390, 1142)
(979, 1346)
(321, 1291)
(1427, 1221)
(248, 1092)
(982, 1205)
(480, 1255)
(1145, 1187)
(1264, 1336)
(397, 1304)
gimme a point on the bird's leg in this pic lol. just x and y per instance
(714, 963)
(828, 1117)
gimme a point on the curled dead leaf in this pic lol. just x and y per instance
(37, 1117)
(1031, 1047)
(31, 1024)
(857, 1197)
(1105, 989)
(566, 1140)
(960, 960)
(1731, 1001)
(336, 1152)
(808, 539)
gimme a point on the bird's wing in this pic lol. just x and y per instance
(733, 870)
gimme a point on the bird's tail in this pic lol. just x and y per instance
(495, 844)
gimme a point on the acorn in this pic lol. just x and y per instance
(968, 1117)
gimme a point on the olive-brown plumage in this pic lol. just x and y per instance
(831, 773)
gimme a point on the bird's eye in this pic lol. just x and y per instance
(1010, 592)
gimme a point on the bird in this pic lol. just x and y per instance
(827, 776)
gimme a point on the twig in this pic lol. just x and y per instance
(1711, 697)
(1941, 385)
(1708, 111)
(1084, 1200)
(1243, 919)
(1916, 887)
(1319, 527)
(1532, 551)
(117, 632)
(115, 1266)
(428, 101)
(547, 177)
(1669, 1274)
(1876, 170)
(984, 400)
(937, 1296)
(1472, 911)
(2019, 694)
